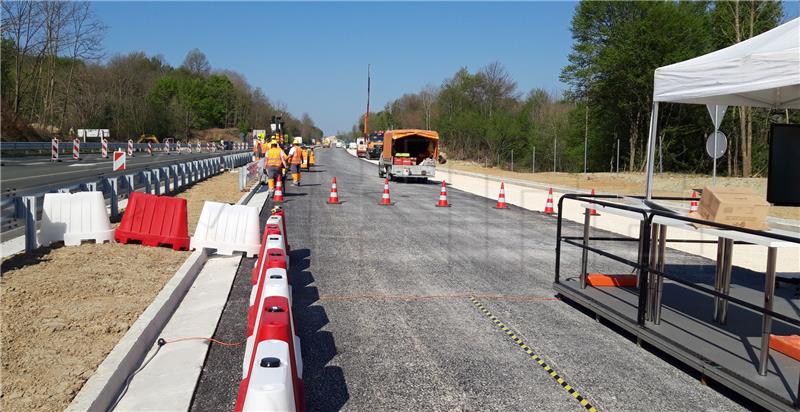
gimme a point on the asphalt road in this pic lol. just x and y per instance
(27, 174)
(381, 304)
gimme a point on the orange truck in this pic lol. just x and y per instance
(409, 154)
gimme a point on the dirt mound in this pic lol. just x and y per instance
(12, 129)
(215, 135)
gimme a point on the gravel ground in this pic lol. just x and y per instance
(381, 306)
(64, 309)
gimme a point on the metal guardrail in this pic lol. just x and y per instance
(23, 212)
(65, 146)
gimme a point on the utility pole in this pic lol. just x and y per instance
(617, 152)
(555, 152)
(585, 135)
(366, 116)
(533, 163)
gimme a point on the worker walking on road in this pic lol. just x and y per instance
(275, 160)
(295, 160)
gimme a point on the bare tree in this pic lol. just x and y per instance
(86, 33)
(197, 63)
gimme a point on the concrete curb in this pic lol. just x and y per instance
(104, 386)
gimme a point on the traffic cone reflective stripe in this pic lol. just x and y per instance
(548, 207)
(333, 199)
(501, 200)
(693, 206)
(593, 211)
(278, 196)
(443, 196)
(385, 200)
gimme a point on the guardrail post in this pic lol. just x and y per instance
(176, 177)
(91, 187)
(242, 179)
(157, 178)
(148, 183)
(130, 183)
(184, 174)
(190, 172)
(111, 185)
(166, 179)
(29, 212)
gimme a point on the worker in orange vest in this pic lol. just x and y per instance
(295, 160)
(275, 160)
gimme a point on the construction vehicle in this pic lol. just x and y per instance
(409, 153)
(375, 145)
(326, 143)
(361, 147)
(148, 138)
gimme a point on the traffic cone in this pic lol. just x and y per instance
(443, 196)
(385, 200)
(501, 200)
(548, 207)
(592, 210)
(333, 199)
(278, 196)
(693, 206)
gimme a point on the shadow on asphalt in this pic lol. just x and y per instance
(324, 386)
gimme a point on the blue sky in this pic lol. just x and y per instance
(313, 56)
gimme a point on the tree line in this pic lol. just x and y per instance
(53, 80)
(482, 115)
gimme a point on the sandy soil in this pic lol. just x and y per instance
(666, 184)
(64, 309)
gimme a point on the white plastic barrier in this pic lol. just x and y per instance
(75, 217)
(228, 229)
(271, 386)
(276, 242)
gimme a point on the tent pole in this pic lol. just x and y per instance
(651, 153)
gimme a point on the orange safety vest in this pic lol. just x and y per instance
(297, 157)
(274, 156)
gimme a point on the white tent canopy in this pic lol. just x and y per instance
(763, 71)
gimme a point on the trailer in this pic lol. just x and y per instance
(409, 154)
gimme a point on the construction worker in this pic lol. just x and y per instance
(305, 158)
(311, 159)
(295, 160)
(275, 160)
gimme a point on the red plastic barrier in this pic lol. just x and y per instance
(274, 324)
(155, 221)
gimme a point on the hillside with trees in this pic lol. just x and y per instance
(54, 79)
(482, 116)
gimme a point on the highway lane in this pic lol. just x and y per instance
(381, 303)
(29, 174)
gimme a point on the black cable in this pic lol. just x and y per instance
(161, 342)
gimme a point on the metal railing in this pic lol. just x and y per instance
(651, 268)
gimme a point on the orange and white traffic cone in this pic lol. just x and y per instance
(593, 211)
(278, 196)
(693, 205)
(501, 200)
(385, 200)
(443, 196)
(333, 199)
(548, 207)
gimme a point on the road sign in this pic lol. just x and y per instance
(119, 161)
(722, 145)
